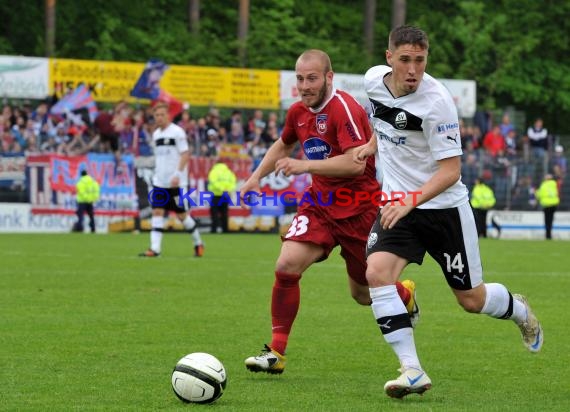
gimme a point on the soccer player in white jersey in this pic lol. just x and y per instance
(418, 142)
(170, 174)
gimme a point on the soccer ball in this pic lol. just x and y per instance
(199, 378)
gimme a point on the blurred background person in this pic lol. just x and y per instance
(482, 200)
(222, 183)
(549, 199)
(87, 194)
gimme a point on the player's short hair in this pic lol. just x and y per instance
(408, 35)
(160, 105)
(318, 55)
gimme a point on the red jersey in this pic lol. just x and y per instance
(338, 126)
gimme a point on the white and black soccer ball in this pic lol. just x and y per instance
(199, 378)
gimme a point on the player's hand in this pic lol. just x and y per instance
(361, 153)
(175, 181)
(393, 211)
(289, 166)
(250, 187)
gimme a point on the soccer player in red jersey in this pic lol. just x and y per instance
(329, 124)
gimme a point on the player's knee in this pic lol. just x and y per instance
(470, 304)
(362, 298)
(286, 264)
(286, 279)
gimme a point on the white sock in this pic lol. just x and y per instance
(519, 312)
(497, 303)
(157, 225)
(389, 309)
(197, 238)
(191, 225)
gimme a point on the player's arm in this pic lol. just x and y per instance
(337, 166)
(361, 153)
(278, 150)
(447, 175)
(180, 169)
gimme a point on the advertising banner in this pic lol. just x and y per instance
(52, 180)
(224, 87)
(12, 170)
(24, 77)
(106, 81)
(19, 218)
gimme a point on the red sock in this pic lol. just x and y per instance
(285, 302)
(404, 293)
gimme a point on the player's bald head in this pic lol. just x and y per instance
(315, 56)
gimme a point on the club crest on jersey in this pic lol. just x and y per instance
(316, 149)
(401, 120)
(321, 123)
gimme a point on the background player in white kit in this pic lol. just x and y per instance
(171, 157)
(419, 147)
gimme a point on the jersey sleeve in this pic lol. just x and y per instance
(352, 126)
(441, 127)
(288, 134)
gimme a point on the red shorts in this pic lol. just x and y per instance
(351, 234)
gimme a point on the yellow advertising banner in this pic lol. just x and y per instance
(107, 81)
(196, 85)
(223, 87)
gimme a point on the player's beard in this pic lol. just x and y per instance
(321, 95)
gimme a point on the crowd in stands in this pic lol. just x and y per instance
(26, 129)
(513, 162)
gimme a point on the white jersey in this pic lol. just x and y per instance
(168, 144)
(413, 132)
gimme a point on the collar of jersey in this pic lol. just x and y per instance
(321, 107)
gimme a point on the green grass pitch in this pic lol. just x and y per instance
(87, 325)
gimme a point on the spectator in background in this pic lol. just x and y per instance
(511, 142)
(213, 119)
(235, 121)
(484, 121)
(185, 122)
(494, 141)
(210, 147)
(200, 133)
(222, 183)
(549, 199)
(501, 167)
(106, 132)
(87, 194)
(469, 170)
(506, 126)
(78, 143)
(40, 117)
(236, 135)
(559, 165)
(523, 194)
(256, 121)
(538, 138)
(482, 200)
(538, 145)
(271, 133)
(50, 145)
